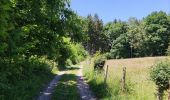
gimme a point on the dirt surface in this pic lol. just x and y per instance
(83, 87)
(47, 93)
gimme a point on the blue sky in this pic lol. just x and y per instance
(108, 10)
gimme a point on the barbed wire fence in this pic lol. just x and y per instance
(121, 78)
(109, 74)
(125, 79)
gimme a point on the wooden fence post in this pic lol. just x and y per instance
(105, 78)
(123, 79)
(169, 91)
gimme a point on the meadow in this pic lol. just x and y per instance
(138, 83)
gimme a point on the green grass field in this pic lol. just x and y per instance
(138, 83)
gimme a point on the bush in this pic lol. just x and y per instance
(22, 79)
(99, 60)
(70, 53)
(160, 74)
(78, 53)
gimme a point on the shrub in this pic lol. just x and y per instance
(70, 53)
(168, 50)
(160, 74)
(22, 79)
(99, 60)
(78, 53)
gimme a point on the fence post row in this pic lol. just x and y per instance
(123, 78)
(105, 78)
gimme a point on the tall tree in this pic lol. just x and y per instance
(95, 34)
(42, 24)
(136, 36)
(118, 37)
(4, 26)
(113, 30)
(157, 28)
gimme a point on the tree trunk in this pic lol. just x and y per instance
(123, 79)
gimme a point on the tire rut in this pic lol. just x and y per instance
(83, 87)
(47, 93)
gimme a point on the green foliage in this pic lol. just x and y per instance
(121, 47)
(23, 78)
(43, 24)
(157, 28)
(35, 27)
(147, 37)
(78, 53)
(70, 53)
(4, 23)
(160, 74)
(99, 60)
(50, 29)
(113, 30)
(96, 38)
(134, 38)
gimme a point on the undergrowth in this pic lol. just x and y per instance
(22, 79)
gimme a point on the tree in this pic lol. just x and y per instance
(157, 30)
(113, 30)
(41, 24)
(121, 47)
(136, 37)
(5, 26)
(33, 32)
(148, 37)
(95, 34)
(119, 44)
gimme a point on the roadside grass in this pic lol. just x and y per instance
(67, 87)
(138, 84)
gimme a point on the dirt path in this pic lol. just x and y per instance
(47, 93)
(85, 92)
(83, 87)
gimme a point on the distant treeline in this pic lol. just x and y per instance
(133, 38)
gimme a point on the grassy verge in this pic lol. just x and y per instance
(96, 81)
(66, 88)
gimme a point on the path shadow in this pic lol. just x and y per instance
(84, 89)
(47, 90)
(68, 68)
